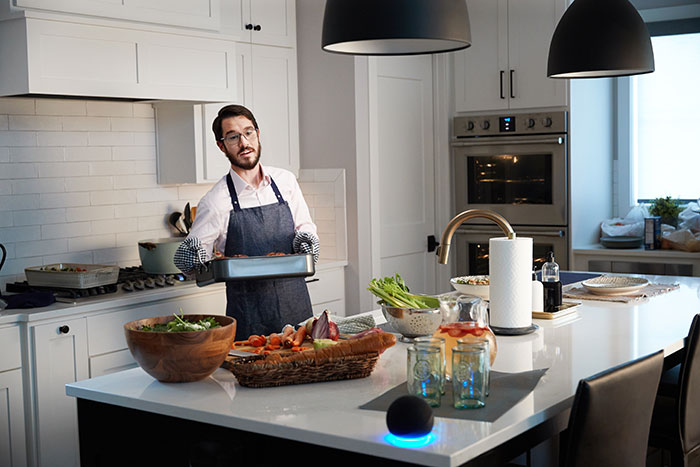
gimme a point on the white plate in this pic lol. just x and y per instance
(481, 291)
(614, 285)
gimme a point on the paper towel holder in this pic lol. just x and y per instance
(443, 249)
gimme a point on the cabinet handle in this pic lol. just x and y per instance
(249, 27)
(502, 75)
(64, 329)
(308, 281)
(512, 86)
(257, 27)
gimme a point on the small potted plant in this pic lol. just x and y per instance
(666, 208)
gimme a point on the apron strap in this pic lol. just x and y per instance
(234, 196)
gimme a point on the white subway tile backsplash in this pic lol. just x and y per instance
(39, 217)
(145, 139)
(142, 210)
(143, 110)
(4, 154)
(60, 107)
(17, 202)
(17, 106)
(65, 138)
(86, 213)
(41, 247)
(134, 153)
(37, 185)
(152, 223)
(88, 153)
(62, 169)
(126, 255)
(324, 191)
(112, 168)
(93, 242)
(324, 214)
(99, 198)
(145, 167)
(34, 122)
(111, 138)
(86, 124)
(63, 200)
(133, 124)
(18, 138)
(13, 171)
(75, 257)
(36, 154)
(4, 122)
(88, 183)
(65, 230)
(21, 234)
(110, 109)
(5, 220)
(135, 181)
(157, 194)
(113, 226)
(133, 238)
(16, 266)
(192, 193)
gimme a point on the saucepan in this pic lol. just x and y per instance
(157, 255)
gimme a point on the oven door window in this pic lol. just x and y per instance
(510, 179)
(479, 257)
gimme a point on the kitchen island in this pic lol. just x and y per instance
(326, 415)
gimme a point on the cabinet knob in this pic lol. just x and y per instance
(64, 329)
(257, 27)
(249, 27)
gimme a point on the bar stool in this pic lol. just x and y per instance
(610, 417)
(675, 425)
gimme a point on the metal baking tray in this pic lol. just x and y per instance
(255, 267)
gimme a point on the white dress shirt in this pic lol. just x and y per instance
(211, 219)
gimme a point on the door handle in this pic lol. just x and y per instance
(501, 141)
(512, 86)
(502, 74)
(308, 281)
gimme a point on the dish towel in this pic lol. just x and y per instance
(650, 290)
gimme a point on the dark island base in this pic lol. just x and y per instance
(112, 436)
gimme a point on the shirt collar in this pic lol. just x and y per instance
(239, 184)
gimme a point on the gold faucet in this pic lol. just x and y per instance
(444, 248)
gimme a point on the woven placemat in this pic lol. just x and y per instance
(651, 290)
(505, 391)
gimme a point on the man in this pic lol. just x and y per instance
(252, 211)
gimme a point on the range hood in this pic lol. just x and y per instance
(45, 54)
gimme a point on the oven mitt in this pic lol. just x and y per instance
(306, 242)
(189, 255)
(33, 299)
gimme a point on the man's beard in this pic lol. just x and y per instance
(244, 164)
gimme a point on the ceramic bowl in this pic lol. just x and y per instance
(460, 285)
(174, 357)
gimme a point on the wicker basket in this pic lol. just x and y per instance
(300, 372)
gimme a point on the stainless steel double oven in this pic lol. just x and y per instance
(517, 166)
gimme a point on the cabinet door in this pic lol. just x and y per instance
(275, 105)
(111, 363)
(60, 357)
(531, 24)
(274, 22)
(481, 71)
(13, 447)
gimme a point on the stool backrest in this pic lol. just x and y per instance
(611, 415)
(689, 397)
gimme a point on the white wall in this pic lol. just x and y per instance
(78, 183)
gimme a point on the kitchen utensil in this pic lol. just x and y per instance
(412, 322)
(615, 285)
(622, 242)
(255, 267)
(479, 290)
(173, 357)
(174, 220)
(187, 217)
(72, 275)
(157, 255)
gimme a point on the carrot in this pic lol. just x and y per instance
(275, 339)
(299, 336)
(298, 348)
(241, 343)
(257, 341)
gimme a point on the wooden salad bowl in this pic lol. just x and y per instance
(176, 357)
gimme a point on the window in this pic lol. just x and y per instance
(661, 134)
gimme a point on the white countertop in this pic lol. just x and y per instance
(599, 336)
(122, 299)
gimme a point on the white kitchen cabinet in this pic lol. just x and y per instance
(506, 66)
(61, 57)
(327, 291)
(202, 14)
(13, 446)
(60, 356)
(267, 22)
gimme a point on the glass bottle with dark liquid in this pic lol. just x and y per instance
(551, 284)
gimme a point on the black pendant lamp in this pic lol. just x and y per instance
(395, 27)
(600, 38)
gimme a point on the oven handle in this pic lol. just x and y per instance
(546, 233)
(503, 141)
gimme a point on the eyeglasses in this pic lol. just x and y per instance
(250, 134)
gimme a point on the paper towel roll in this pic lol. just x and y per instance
(510, 282)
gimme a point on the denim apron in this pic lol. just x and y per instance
(265, 305)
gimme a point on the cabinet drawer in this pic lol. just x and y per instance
(330, 286)
(10, 357)
(111, 363)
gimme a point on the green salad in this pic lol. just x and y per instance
(182, 325)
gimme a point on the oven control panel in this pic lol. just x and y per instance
(510, 124)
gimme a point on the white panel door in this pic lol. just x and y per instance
(13, 448)
(531, 25)
(60, 357)
(402, 167)
(481, 71)
(275, 105)
(274, 22)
